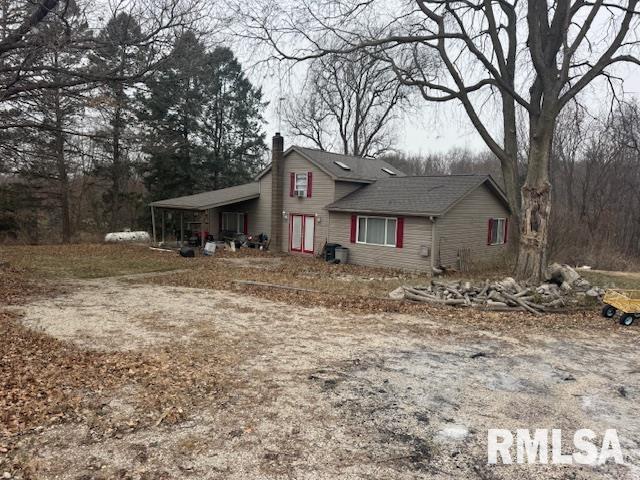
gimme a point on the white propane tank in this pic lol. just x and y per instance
(123, 237)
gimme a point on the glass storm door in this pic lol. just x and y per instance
(296, 233)
(308, 233)
(302, 233)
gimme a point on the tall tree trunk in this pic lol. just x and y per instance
(62, 171)
(536, 203)
(118, 167)
(510, 166)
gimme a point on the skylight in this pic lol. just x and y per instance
(390, 172)
(343, 166)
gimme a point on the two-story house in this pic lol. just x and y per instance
(307, 198)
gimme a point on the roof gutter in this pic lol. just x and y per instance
(159, 204)
(383, 212)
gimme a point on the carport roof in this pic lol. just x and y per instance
(212, 199)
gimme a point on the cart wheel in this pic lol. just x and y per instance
(627, 319)
(608, 311)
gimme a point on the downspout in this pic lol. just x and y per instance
(434, 243)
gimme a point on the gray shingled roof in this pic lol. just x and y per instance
(362, 169)
(421, 196)
(215, 198)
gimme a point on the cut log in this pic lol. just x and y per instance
(523, 304)
(493, 303)
(397, 294)
(429, 299)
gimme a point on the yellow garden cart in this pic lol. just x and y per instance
(625, 301)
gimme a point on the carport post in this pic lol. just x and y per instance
(163, 226)
(181, 229)
(202, 240)
(153, 222)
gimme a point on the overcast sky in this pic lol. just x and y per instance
(430, 127)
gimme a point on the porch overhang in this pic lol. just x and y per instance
(208, 200)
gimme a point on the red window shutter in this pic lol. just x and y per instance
(245, 227)
(490, 231)
(399, 232)
(354, 225)
(309, 183)
(506, 229)
(292, 183)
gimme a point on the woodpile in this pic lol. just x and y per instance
(564, 288)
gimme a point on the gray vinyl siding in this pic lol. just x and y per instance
(322, 194)
(263, 208)
(466, 226)
(342, 189)
(417, 233)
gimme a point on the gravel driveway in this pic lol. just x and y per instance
(316, 393)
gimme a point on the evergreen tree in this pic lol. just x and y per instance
(50, 118)
(120, 54)
(232, 123)
(203, 122)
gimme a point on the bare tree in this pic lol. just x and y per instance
(48, 83)
(22, 45)
(534, 56)
(596, 177)
(349, 102)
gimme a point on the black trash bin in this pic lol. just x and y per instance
(330, 251)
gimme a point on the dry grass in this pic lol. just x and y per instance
(95, 261)
(628, 280)
(89, 260)
(302, 272)
(348, 287)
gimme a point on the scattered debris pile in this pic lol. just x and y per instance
(563, 287)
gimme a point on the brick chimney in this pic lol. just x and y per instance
(277, 191)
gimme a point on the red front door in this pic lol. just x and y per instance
(302, 233)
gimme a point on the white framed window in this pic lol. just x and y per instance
(301, 183)
(377, 231)
(233, 222)
(497, 231)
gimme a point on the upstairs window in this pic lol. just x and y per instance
(301, 183)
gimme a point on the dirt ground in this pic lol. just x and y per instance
(314, 392)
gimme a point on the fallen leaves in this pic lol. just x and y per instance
(16, 287)
(46, 381)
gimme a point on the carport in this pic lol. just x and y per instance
(200, 206)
